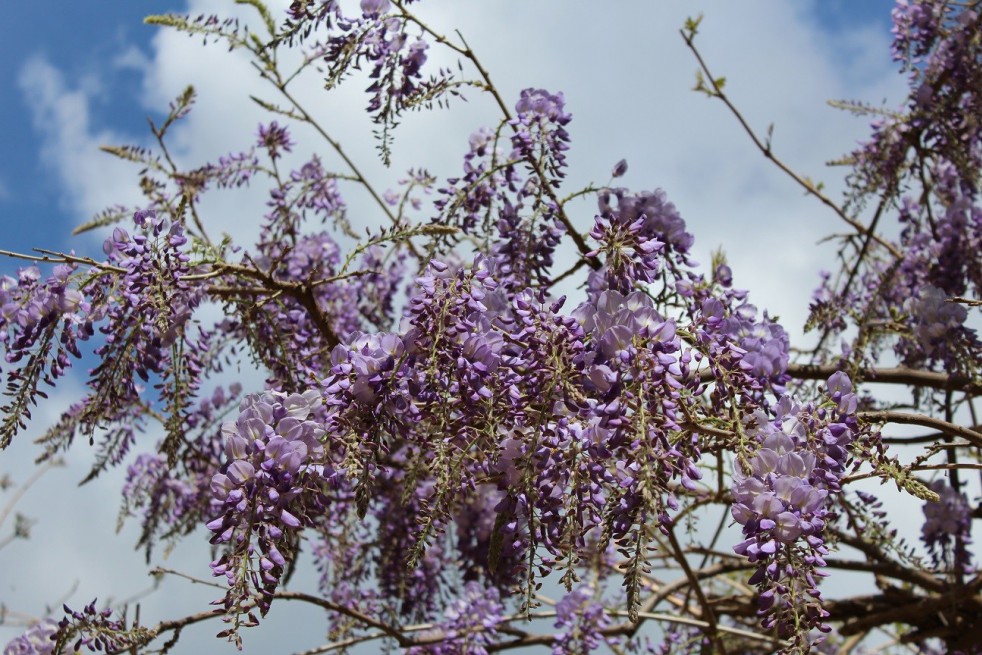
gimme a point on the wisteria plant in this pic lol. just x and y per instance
(477, 464)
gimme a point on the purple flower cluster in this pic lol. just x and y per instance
(470, 624)
(308, 192)
(780, 498)
(154, 298)
(467, 201)
(540, 130)
(470, 428)
(924, 160)
(580, 619)
(933, 319)
(766, 343)
(543, 403)
(276, 466)
(373, 8)
(274, 139)
(365, 365)
(639, 234)
(947, 528)
(96, 631)
(41, 322)
(294, 342)
(150, 484)
(233, 170)
(169, 501)
(380, 43)
(661, 220)
(39, 639)
(630, 256)
(507, 201)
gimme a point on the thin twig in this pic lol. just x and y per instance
(768, 153)
(51, 257)
(905, 418)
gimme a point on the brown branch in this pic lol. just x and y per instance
(873, 611)
(707, 611)
(51, 257)
(876, 554)
(895, 375)
(904, 418)
(390, 631)
(300, 291)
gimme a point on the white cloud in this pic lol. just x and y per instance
(90, 180)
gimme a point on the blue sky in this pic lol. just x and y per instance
(88, 73)
(79, 38)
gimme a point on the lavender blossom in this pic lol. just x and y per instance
(947, 528)
(39, 639)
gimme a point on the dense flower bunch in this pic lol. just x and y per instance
(381, 42)
(540, 130)
(38, 640)
(275, 473)
(469, 625)
(781, 502)
(580, 618)
(934, 143)
(42, 321)
(453, 441)
(935, 325)
(947, 528)
(152, 293)
(96, 631)
(508, 200)
(487, 175)
(169, 501)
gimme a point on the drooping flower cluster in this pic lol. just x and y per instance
(925, 161)
(41, 322)
(469, 624)
(468, 200)
(151, 293)
(96, 631)
(640, 235)
(580, 619)
(274, 139)
(379, 42)
(276, 469)
(781, 499)
(39, 639)
(169, 501)
(947, 528)
(933, 320)
(508, 200)
(540, 130)
(329, 296)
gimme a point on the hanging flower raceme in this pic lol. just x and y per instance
(580, 618)
(540, 130)
(947, 528)
(277, 469)
(469, 625)
(39, 639)
(41, 323)
(781, 496)
(637, 232)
